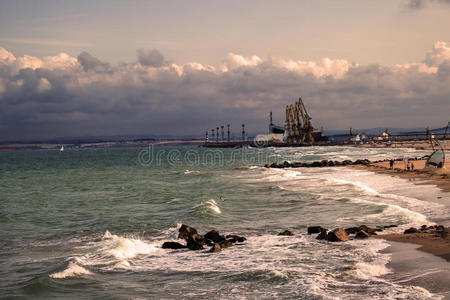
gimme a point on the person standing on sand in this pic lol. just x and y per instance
(391, 163)
(412, 166)
(408, 166)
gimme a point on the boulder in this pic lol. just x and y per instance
(214, 236)
(352, 230)
(367, 229)
(322, 235)
(195, 242)
(411, 230)
(286, 232)
(215, 248)
(185, 232)
(361, 235)
(172, 245)
(225, 244)
(337, 235)
(315, 229)
(389, 226)
(235, 238)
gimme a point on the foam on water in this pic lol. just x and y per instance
(126, 248)
(187, 172)
(72, 270)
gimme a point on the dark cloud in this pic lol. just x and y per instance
(89, 62)
(419, 4)
(150, 58)
(39, 99)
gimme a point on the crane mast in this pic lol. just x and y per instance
(298, 124)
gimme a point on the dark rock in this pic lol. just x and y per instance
(337, 163)
(440, 228)
(368, 229)
(352, 230)
(286, 232)
(411, 230)
(195, 242)
(185, 232)
(214, 236)
(225, 244)
(315, 229)
(173, 245)
(331, 163)
(316, 164)
(322, 235)
(215, 248)
(389, 226)
(346, 162)
(337, 235)
(235, 238)
(361, 235)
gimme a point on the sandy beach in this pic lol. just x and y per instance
(409, 262)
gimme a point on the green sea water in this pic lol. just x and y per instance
(89, 224)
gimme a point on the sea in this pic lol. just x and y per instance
(90, 223)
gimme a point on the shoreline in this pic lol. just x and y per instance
(421, 259)
(438, 177)
(412, 267)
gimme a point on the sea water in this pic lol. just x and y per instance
(90, 223)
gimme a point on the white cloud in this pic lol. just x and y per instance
(438, 54)
(235, 61)
(43, 85)
(90, 96)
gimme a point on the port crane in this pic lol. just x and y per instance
(298, 124)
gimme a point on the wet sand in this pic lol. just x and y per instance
(421, 259)
(416, 268)
(428, 242)
(438, 177)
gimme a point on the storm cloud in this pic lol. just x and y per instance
(65, 96)
(150, 58)
(419, 4)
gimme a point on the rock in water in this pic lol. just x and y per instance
(411, 230)
(337, 235)
(195, 242)
(286, 232)
(315, 229)
(215, 248)
(368, 229)
(361, 235)
(322, 235)
(235, 238)
(225, 244)
(214, 236)
(173, 245)
(185, 232)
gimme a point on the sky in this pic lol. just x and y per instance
(85, 68)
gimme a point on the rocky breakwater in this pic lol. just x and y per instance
(318, 164)
(342, 235)
(195, 241)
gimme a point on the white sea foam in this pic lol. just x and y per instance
(213, 206)
(126, 248)
(186, 172)
(72, 270)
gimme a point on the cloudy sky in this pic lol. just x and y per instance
(85, 68)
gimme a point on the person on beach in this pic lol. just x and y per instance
(408, 166)
(391, 163)
(412, 166)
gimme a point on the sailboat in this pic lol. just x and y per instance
(62, 148)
